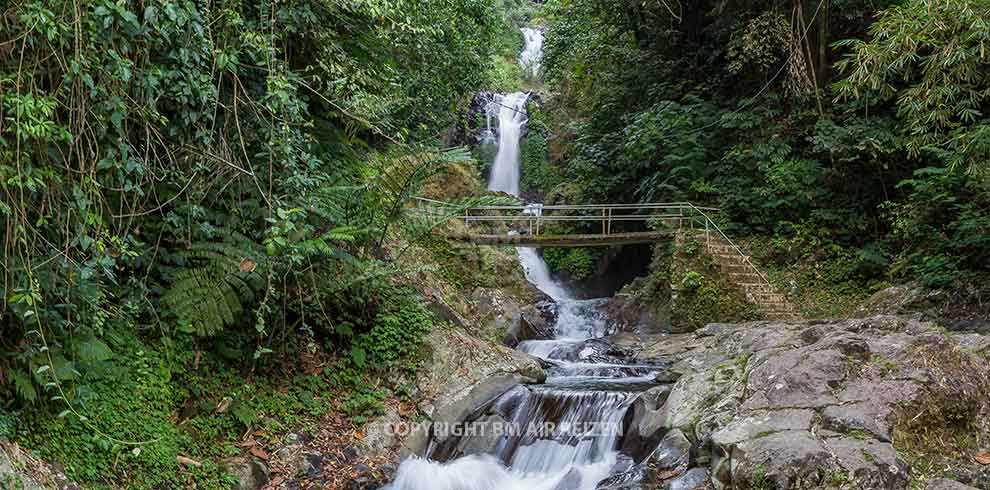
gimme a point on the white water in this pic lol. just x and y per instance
(538, 274)
(532, 53)
(581, 388)
(511, 120)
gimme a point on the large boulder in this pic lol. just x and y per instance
(504, 316)
(644, 424)
(817, 404)
(464, 373)
(531, 322)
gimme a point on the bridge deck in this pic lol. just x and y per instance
(596, 240)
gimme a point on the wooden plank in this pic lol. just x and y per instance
(563, 240)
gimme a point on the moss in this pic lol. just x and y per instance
(702, 294)
(765, 433)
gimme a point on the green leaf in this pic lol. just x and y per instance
(358, 356)
(24, 386)
(94, 350)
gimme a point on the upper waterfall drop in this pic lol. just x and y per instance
(511, 120)
(532, 53)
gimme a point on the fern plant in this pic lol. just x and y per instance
(217, 283)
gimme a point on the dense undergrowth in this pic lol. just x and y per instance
(200, 202)
(847, 137)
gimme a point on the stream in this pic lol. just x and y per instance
(560, 435)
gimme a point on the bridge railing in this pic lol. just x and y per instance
(534, 217)
(537, 216)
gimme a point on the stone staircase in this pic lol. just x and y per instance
(744, 275)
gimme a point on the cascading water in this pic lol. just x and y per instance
(563, 435)
(532, 53)
(511, 120)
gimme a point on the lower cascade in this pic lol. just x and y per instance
(565, 433)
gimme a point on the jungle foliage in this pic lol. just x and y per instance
(851, 131)
(177, 174)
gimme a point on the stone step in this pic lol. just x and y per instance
(727, 268)
(768, 297)
(747, 275)
(755, 285)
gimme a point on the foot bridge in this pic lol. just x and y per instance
(538, 225)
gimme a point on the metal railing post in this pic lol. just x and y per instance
(708, 236)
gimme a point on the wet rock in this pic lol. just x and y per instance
(693, 479)
(571, 480)
(465, 373)
(532, 322)
(643, 422)
(673, 451)
(667, 377)
(485, 436)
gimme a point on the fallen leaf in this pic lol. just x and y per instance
(188, 462)
(259, 453)
(982, 457)
(223, 405)
(248, 443)
(248, 265)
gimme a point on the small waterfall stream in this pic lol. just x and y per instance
(577, 413)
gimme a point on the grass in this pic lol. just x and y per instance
(948, 423)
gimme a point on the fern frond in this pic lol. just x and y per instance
(219, 281)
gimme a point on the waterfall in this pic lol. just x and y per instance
(532, 53)
(584, 399)
(511, 119)
(538, 274)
